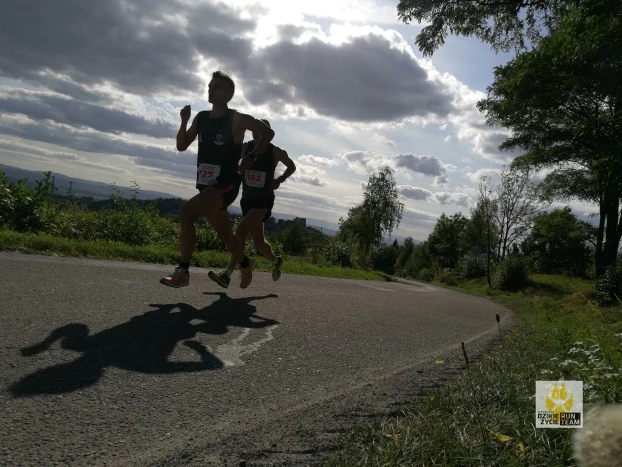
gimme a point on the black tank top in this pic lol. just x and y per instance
(258, 179)
(219, 155)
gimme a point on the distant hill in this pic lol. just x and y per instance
(79, 187)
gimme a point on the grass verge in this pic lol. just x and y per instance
(489, 419)
(163, 254)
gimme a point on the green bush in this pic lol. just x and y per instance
(333, 251)
(25, 209)
(510, 274)
(79, 224)
(419, 260)
(425, 274)
(447, 277)
(384, 259)
(472, 266)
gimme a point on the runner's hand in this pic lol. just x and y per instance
(185, 113)
(275, 185)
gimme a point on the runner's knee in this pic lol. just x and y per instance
(186, 213)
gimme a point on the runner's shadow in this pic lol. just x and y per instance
(142, 344)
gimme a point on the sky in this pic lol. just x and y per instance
(95, 91)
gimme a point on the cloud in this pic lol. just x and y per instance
(44, 155)
(426, 165)
(101, 143)
(305, 199)
(318, 161)
(487, 144)
(468, 123)
(309, 175)
(459, 199)
(65, 87)
(441, 181)
(140, 46)
(495, 174)
(367, 162)
(309, 170)
(420, 218)
(444, 198)
(343, 76)
(45, 106)
(356, 11)
(384, 140)
(416, 193)
(315, 181)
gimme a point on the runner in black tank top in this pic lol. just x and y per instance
(219, 154)
(221, 133)
(257, 191)
(258, 186)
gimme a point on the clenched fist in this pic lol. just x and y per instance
(185, 113)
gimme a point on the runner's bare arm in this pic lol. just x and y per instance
(185, 137)
(290, 166)
(250, 123)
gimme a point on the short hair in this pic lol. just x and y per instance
(225, 77)
(265, 121)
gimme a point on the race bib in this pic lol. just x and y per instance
(208, 173)
(255, 179)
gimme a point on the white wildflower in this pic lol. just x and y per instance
(568, 362)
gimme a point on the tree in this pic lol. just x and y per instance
(446, 241)
(354, 230)
(420, 264)
(293, 241)
(563, 103)
(486, 208)
(380, 213)
(517, 201)
(506, 211)
(384, 259)
(559, 243)
(404, 254)
(505, 24)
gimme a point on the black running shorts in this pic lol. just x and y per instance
(261, 203)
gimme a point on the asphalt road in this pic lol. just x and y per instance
(102, 365)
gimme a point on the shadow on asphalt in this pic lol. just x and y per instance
(143, 344)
